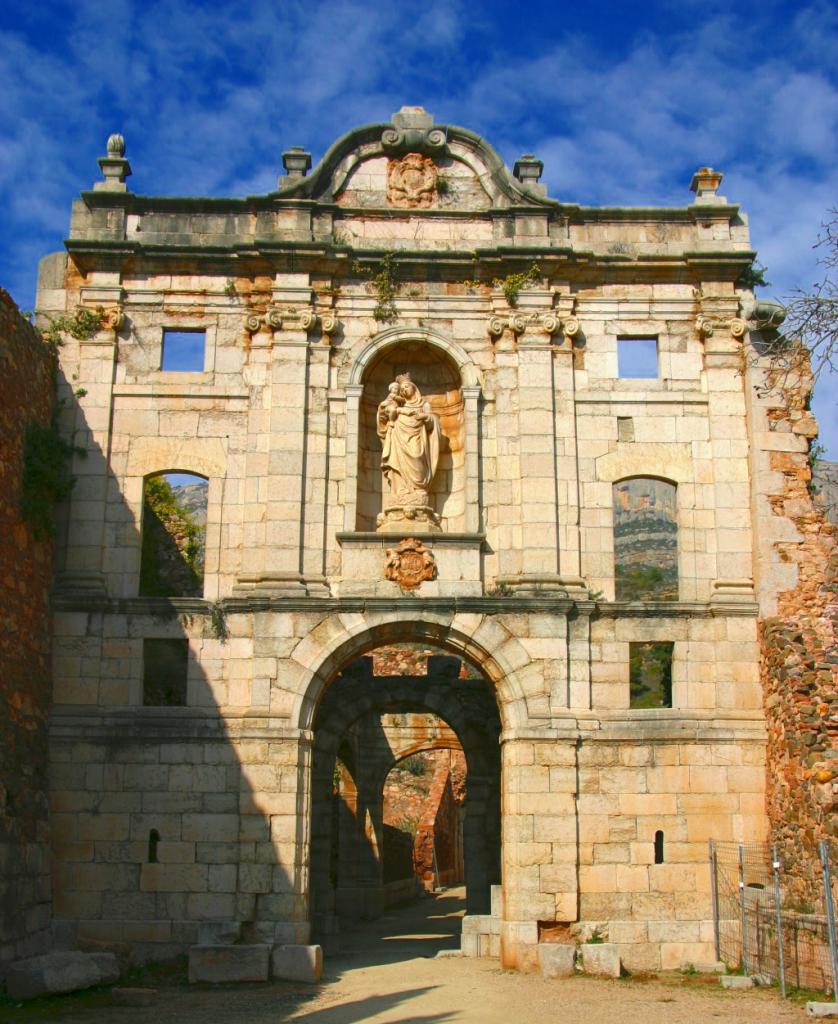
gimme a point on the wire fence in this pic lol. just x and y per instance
(762, 928)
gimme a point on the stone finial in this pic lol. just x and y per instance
(705, 183)
(528, 170)
(115, 168)
(413, 117)
(296, 161)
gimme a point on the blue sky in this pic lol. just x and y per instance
(622, 102)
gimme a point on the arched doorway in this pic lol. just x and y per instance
(390, 703)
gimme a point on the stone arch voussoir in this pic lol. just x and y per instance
(489, 646)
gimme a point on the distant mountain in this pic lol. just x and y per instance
(825, 486)
(193, 497)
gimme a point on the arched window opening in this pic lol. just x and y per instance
(173, 535)
(645, 540)
(659, 847)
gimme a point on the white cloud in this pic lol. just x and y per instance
(208, 96)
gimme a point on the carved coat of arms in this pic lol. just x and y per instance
(410, 564)
(411, 181)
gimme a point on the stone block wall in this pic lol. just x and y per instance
(26, 394)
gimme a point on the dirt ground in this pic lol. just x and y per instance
(387, 972)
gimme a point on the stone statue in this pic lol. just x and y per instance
(410, 437)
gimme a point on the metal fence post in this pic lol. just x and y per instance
(781, 954)
(742, 909)
(714, 875)
(830, 914)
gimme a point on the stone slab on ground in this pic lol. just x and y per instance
(822, 1009)
(229, 963)
(297, 963)
(709, 967)
(133, 996)
(557, 959)
(601, 959)
(54, 973)
(736, 981)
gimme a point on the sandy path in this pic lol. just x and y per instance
(387, 973)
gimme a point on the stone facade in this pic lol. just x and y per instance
(514, 314)
(26, 380)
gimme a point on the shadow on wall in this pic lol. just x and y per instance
(172, 820)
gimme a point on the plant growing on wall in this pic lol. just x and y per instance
(83, 324)
(46, 479)
(385, 285)
(512, 284)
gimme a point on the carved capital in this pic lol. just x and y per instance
(707, 325)
(273, 319)
(113, 318)
(495, 326)
(329, 322)
(253, 323)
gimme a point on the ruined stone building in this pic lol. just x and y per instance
(478, 469)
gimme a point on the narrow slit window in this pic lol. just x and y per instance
(153, 840)
(659, 847)
(637, 358)
(650, 674)
(164, 672)
(183, 351)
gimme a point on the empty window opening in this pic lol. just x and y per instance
(174, 521)
(164, 672)
(650, 674)
(659, 847)
(637, 358)
(183, 351)
(625, 428)
(153, 840)
(645, 540)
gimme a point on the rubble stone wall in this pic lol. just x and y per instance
(26, 380)
(800, 660)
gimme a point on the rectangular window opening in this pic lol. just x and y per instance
(183, 351)
(650, 674)
(164, 672)
(637, 358)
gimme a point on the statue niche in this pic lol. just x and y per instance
(410, 437)
(411, 462)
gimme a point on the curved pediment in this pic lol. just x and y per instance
(413, 164)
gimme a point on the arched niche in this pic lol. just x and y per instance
(438, 377)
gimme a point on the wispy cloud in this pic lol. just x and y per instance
(621, 108)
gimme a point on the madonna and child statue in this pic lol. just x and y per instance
(410, 437)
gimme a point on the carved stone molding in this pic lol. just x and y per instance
(412, 182)
(424, 141)
(708, 325)
(410, 564)
(519, 323)
(305, 319)
(113, 318)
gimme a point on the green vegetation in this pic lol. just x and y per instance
(650, 674)
(753, 276)
(83, 324)
(512, 284)
(46, 479)
(646, 583)
(385, 285)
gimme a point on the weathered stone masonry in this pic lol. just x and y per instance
(26, 395)
(411, 248)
